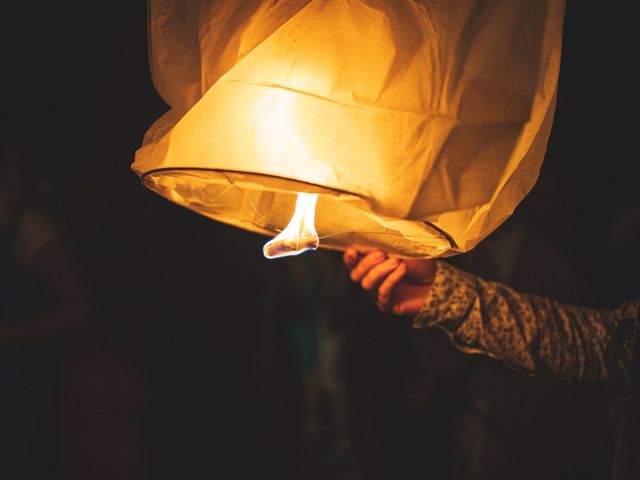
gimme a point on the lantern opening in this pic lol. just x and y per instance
(300, 234)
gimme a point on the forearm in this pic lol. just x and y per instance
(532, 334)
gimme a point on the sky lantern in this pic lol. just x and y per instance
(412, 126)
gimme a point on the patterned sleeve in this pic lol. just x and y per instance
(532, 334)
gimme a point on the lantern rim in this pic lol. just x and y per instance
(310, 186)
(258, 205)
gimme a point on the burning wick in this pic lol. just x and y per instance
(300, 235)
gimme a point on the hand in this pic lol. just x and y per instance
(397, 286)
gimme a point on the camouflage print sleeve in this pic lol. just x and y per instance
(532, 334)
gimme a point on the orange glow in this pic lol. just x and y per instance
(421, 124)
(300, 235)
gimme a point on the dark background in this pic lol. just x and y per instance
(188, 371)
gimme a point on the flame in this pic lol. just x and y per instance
(300, 235)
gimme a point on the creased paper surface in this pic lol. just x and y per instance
(421, 124)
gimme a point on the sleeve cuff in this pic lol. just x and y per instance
(449, 297)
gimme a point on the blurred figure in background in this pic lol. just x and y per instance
(42, 297)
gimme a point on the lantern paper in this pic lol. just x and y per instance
(420, 124)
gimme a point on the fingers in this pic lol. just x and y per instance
(380, 276)
(350, 258)
(387, 286)
(378, 273)
(367, 262)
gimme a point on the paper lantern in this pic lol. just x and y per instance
(420, 124)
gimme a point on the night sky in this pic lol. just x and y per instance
(182, 297)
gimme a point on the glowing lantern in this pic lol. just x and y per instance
(420, 125)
